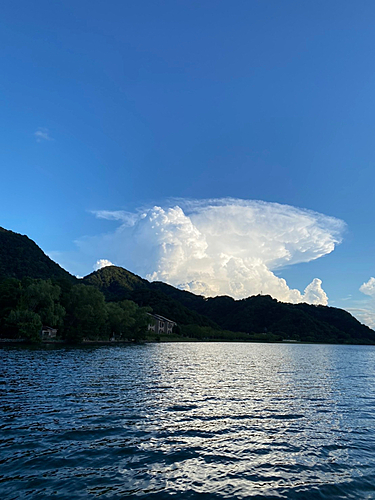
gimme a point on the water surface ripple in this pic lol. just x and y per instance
(189, 421)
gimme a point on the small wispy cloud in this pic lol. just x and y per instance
(42, 134)
(121, 215)
(366, 313)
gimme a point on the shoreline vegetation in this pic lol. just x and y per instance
(163, 340)
(114, 305)
(173, 340)
(83, 315)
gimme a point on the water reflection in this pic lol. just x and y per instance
(222, 420)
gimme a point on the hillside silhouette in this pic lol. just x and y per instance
(254, 318)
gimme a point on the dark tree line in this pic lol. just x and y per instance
(260, 317)
(78, 312)
(81, 313)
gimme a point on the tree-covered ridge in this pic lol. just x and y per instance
(93, 307)
(302, 322)
(20, 257)
(256, 316)
(117, 283)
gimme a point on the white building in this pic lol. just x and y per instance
(48, 333)
(159, 324)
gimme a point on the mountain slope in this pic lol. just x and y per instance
(291, 321)
(117, 283)
(257, 314)
(21, 257)
(263, 313)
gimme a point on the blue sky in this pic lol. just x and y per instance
(123, 105)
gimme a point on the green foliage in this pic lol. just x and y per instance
(119, 320)
(142, 321)
(208, 333)
(20, 257)
(127, 321)
(170, 308)
(260, 317)
(115, 282)
(86, 314)
(79, 310)
(118, 284)
(301, 322)
(42, 297)
(25, 306)
(10, 294)
(26, 323)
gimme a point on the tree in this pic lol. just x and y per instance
(42, 297)
(27, 324)
(142, 320)
(127, 320)
(86, 314)
(25, 306)
(10, 294)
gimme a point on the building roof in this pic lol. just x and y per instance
(161, 318)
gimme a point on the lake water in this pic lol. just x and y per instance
(188, 421)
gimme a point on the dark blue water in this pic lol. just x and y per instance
(190, 421)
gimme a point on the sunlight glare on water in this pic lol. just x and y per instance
(191, 420)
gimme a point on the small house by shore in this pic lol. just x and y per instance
(48, 332)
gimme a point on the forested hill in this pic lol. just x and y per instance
(116, 283)
(20, 257)
(257, 314)
(262, 313)
(258, 317)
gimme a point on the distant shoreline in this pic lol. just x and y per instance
(98, 343)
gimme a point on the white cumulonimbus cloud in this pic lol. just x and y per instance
(220, 247)
(99, 264)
